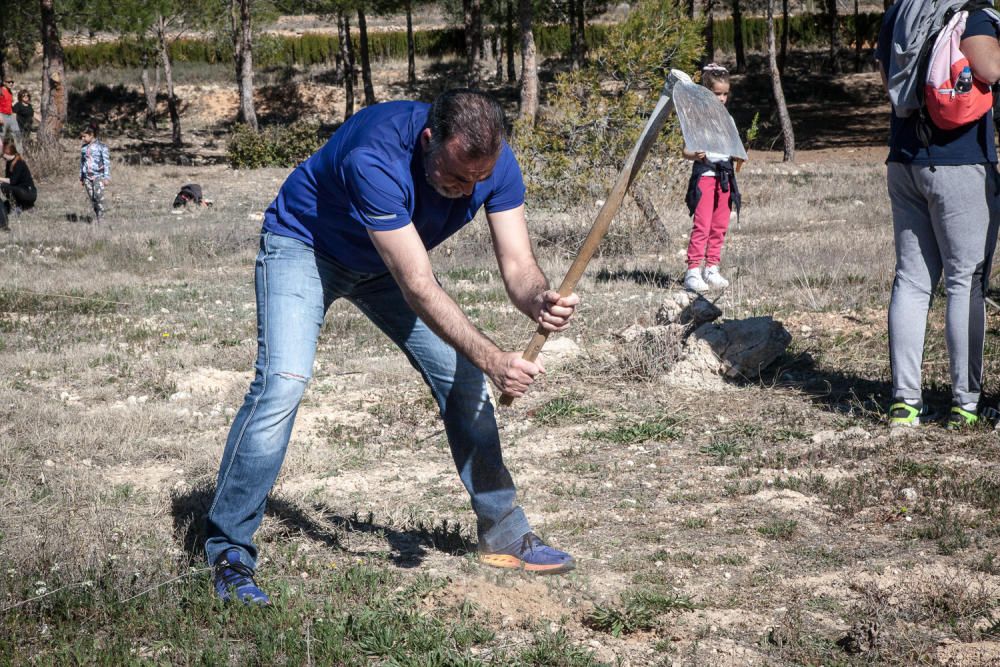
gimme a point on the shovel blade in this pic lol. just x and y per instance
(705, 123)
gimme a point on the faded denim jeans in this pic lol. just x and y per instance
(295, 287)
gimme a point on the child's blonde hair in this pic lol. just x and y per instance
(712, 74)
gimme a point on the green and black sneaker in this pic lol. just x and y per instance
(959, 419)
(902, 413)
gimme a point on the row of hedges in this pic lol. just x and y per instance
(309, 48)
(805, 30)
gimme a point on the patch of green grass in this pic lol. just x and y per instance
(632, 433)
(359, 615)
(695, 522)
(563, 409)
(638, 612)
(722, 450)
(947, 530)
(732, 559)
(778, 529)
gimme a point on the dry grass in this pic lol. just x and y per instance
(760, 522)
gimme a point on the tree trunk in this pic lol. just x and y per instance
(497, 46)
(581, 28)
(784, 36)
(168, 74)
(741, 62)
(149, 92)
(574, 36)
(4, 65)
(351, 60)
(473, 39)
(511, 72)
(690, 9)
(857, 37)
(529, 68)
(831, 10)
(243, 52)
(648, 210)
(709, 31)
(779, 95)
(343, 32)
(54, 102)
(411, 61)
(366, 64)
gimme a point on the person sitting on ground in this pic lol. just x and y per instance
(95, 169)
(25, 112)
(356, 220)
(8, 121)
(17, 186)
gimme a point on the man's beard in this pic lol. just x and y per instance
(438, 188)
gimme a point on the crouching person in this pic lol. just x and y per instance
(356, 221)
(17, 186)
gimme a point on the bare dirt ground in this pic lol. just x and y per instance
(773, 521)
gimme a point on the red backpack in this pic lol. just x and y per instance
(952, 95)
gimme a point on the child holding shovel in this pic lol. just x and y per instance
(712, 193)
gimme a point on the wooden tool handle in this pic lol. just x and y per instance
(607, 212)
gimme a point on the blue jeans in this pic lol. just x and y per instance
(295, 287)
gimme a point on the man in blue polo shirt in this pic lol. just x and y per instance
(356, 221)
(944, 191)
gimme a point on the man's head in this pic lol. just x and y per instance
(461, 141)
(24, 97)
(9, 83)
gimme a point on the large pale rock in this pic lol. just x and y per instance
(735, 348)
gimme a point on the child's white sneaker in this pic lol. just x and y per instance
(714, 279)
(694, 282)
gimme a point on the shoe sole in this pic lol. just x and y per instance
(507, 562)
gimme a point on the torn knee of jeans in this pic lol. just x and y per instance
(293, 376)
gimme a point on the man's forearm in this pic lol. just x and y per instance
(526, 288)
(446, 319)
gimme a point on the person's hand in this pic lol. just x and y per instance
(512, 374)
(107, 182)
(553, 311)
(701, 156)
(5, 181)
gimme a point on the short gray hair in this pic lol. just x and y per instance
(471, 116)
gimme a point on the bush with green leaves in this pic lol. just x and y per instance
(594, 116)
(275, 146)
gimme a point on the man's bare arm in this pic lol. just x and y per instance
(527, 286)
(403, 252)
(983, 53)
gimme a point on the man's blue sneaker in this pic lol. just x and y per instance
(234, 580)
(530, 554)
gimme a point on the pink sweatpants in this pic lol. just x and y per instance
(711, 221)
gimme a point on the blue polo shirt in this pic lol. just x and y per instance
(370, 175)
(969, 144)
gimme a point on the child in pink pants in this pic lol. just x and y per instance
(712, 194)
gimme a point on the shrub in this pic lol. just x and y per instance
(593, 116)
(276, 146)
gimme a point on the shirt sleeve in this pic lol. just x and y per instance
(377, 193)
(978, 24)
(106, 162)
(508, 184)
(883, 49)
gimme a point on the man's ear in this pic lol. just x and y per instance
(425, 137)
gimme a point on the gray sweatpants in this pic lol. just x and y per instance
(943, 220)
